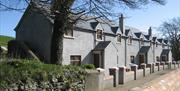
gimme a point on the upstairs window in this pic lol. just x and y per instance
(69, 32)
(119, 38)
(130, 40)
(163, 45)
(132, 59)
(157, 59)
(99, 34)
(75, 59)
(156, 44)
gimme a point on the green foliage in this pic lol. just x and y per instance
(17, 72)
(88, 66)
(4, 40)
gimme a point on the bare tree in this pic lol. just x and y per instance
(63, 10)
(171, 31)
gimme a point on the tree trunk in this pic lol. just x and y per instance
(57, 45)
(61, 22)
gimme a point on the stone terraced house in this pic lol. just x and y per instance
(94, 42)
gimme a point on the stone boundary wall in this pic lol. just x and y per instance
(96, 80)
(167, 82)
(139, 74)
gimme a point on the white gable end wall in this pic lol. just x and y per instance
(110, 57)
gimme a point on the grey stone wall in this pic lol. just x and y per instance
(132, 50)
(150, 58)
(158, 50)
(82, 43)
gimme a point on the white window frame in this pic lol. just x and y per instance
(132, 58)
(70, 36)
(119, 36)
(130, 39)
(163, 46)
(156, 44)
(101, 35)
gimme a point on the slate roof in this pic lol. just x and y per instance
(114, 29)
(90, 24)
(165, 51)
(154, 39)
(127, 31)
(138, 35)
(93, 24)
(160, 40)
(144, 49)
(147, 37)
(102, 45)
(166, 41)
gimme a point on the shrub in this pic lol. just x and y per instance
(39, 76)
(88, 66)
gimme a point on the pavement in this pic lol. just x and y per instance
(138, 82)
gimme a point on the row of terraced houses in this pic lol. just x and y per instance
(104, 44)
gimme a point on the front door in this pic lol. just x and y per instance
(98, 63)
(141, 59)
(97, 60)
(164, 58)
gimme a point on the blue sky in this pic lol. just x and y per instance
(151, 15)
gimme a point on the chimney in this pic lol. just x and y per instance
(121, 24)
(150, 31)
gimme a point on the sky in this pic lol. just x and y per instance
(152, 15)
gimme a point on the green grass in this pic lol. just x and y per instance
(4, 40)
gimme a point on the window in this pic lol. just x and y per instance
(119, 38)
(132, 59)
(69, 31)
(142, 41)
(163, 45)
(130, 40)
(75, 59)
(157, 58)
(99, 34)
(156, 44)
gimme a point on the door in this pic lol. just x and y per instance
(97, 60)
(164, 58)
(141, 59)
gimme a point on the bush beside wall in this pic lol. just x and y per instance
(30, 75)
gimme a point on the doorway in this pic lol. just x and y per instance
(164, 58)
(98, 60)
(141, 59)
